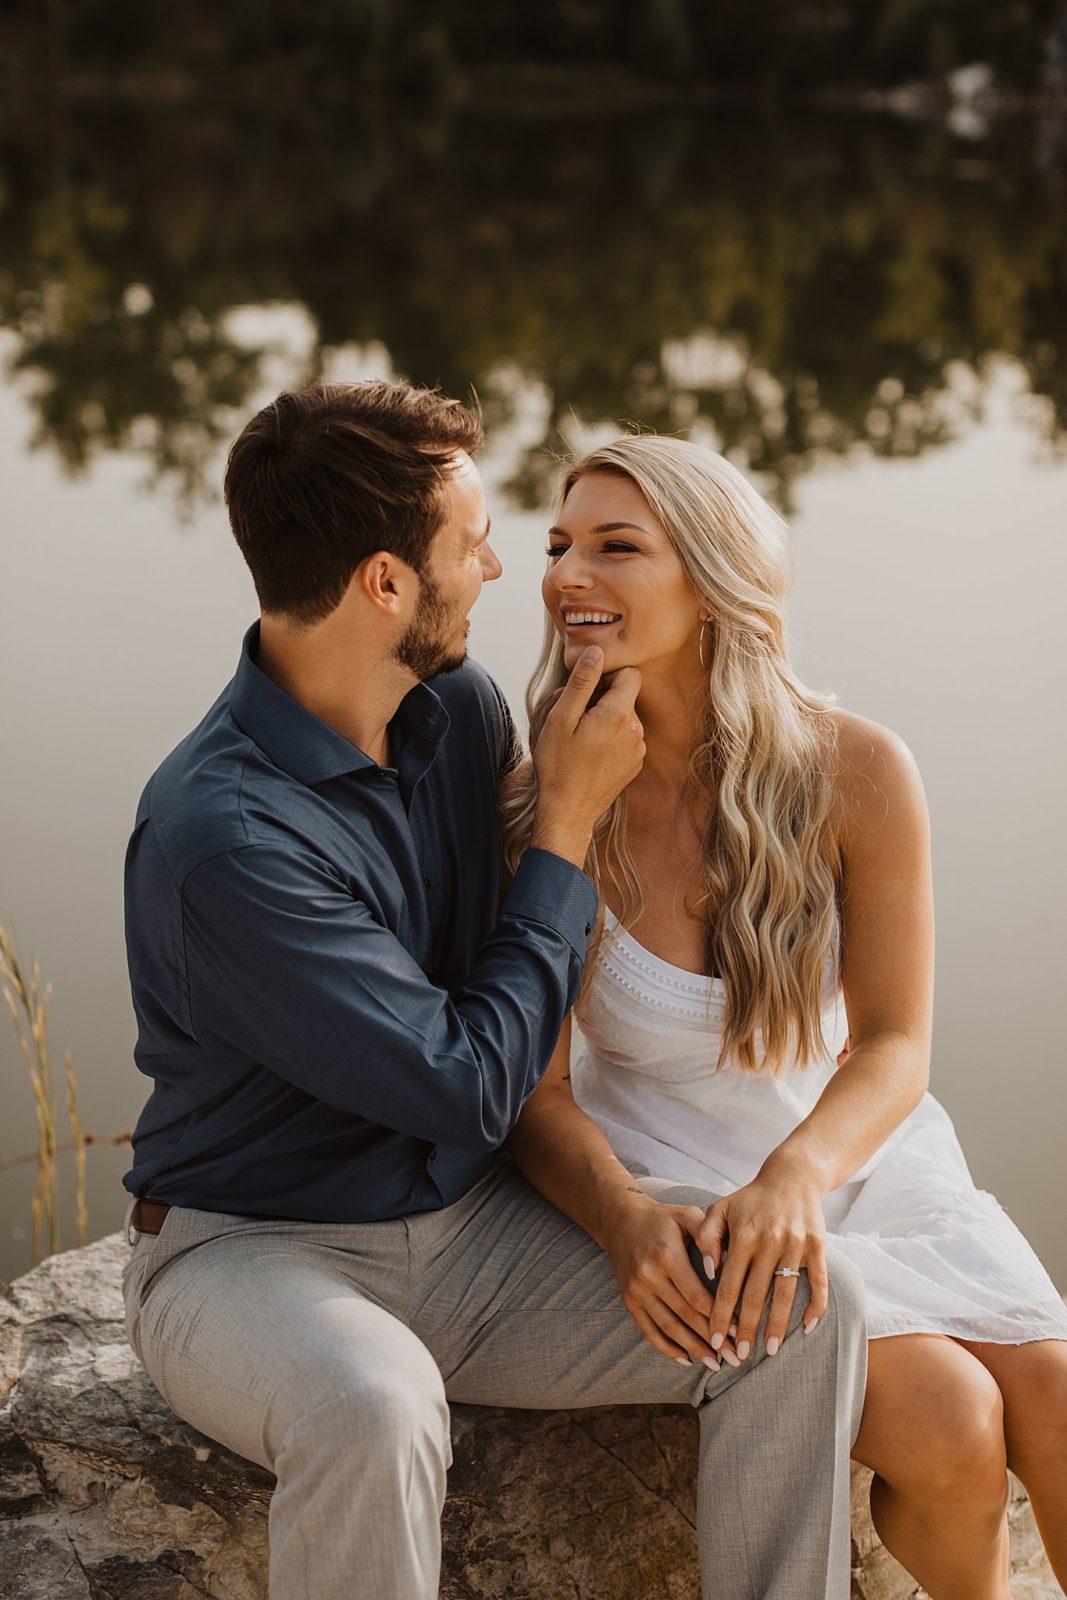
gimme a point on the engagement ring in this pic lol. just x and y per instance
(787, 1272)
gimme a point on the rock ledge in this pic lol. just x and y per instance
(106, 1495)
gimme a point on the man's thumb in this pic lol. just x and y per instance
(585, 675)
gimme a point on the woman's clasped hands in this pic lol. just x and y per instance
(754, 1244)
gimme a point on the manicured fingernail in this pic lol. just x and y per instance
(733, 1330)
(730, 1359)
(682, 1362)
(743, 1348)
(710, 1361)
(810, 1327)
(589, 658)
(772, 1346)
(709, 1266)
(717, 1341)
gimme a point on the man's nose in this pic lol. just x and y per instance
(491, 566)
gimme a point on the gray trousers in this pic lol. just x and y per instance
(327, 1352)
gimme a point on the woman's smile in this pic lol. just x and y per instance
(579, 619)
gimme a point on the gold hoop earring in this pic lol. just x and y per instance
(700, 644)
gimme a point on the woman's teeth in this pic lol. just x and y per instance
(584, 619)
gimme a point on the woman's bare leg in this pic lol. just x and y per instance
(933, 1434)
(1033, 1381)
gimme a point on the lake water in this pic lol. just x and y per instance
(869, 318)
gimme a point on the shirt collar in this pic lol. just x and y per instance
(308, 749)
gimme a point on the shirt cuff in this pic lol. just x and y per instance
(549, 890)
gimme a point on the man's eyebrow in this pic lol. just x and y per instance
(604, 527)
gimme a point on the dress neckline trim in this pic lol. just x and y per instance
(695, 982)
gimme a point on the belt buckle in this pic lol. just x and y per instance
(132, 1234)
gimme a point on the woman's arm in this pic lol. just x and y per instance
(565, 1154)
(888, 960)
(887, 976)
(567, 1157)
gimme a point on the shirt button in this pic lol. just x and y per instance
(425, 883)
(433, 1157)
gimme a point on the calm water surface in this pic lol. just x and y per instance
(871, 324)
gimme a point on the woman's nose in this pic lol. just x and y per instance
(568, 572)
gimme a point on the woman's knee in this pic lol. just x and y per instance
(934, 1423)
(1033, 1380)
(963, 1452)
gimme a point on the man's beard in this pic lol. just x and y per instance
(422, 649)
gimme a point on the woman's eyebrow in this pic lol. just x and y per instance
(604, 527)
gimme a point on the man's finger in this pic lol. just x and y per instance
(623, 690)
(585, 675)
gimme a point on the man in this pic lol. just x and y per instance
(342, 1020)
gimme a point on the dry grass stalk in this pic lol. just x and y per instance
(28, 1003)
(81, 1210)
(125, 1137)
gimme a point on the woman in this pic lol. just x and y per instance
(757, 1014)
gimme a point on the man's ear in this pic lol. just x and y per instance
(385, 581)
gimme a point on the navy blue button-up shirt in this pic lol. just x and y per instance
(340, 1019)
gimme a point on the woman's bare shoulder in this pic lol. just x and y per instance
(876, 776)
(866, 748)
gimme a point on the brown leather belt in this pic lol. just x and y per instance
(147, 1216)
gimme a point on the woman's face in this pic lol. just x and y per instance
(614, 580)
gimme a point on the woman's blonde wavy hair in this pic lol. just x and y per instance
(761, 763)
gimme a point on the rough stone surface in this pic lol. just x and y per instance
(106, 1495)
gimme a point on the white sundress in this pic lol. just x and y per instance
(938, 1255)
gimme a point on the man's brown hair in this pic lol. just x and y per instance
(320, 480)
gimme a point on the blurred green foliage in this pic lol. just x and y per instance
(798, 286)
(769, 44)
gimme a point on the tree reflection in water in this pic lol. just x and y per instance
(785, 289)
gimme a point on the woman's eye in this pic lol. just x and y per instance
(614, 547)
